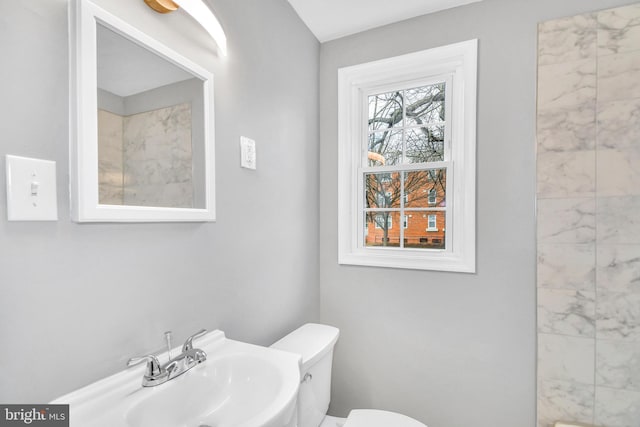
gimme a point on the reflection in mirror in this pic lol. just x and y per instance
(142, 125)
(150, 127)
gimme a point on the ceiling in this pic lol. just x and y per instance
(332, 19)
(126, 68)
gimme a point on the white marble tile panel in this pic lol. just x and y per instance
(109, 194)
(566, 220)
(566, 174)
(618, 268)
(618, 172)
(617, 408)
(566, 358)
(619, 124)
(178, 195)
(567, 84)
(567, 39)
(566, 266)
(158, 158)
(110, 158)
(564, 400)
(619, 30)
(566, 312)
(571, 129)
(618, 220)
(618, 316)
(618, 364)
(618, 76)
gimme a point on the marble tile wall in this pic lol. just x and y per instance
(588, 191)
(145, 159)
(158, 168)
(110, 152)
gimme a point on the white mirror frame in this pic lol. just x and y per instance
(83, 104)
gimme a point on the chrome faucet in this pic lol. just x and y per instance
(157, 374)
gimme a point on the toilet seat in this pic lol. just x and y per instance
(377, 418)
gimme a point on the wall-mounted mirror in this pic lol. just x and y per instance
(142, 125)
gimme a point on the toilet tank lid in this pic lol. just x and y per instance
(311, 341)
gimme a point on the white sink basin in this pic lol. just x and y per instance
(239, 385)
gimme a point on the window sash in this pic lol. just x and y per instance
(446, 78)
(403, 210)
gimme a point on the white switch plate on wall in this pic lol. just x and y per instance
(31, 189)
(247, 153)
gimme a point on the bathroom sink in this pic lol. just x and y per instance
(239, 385)
(229, 390)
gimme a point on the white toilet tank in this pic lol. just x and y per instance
(315, 344)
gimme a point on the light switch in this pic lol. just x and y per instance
(247, 153)
(31, 189)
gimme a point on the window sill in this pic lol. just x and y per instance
(424, 259)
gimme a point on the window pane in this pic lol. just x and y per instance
(382, 190)
(382, 229)
(426, 188)
(425, 230)
(425, 104)
(385, 111)
(425, 144)
(385, 148)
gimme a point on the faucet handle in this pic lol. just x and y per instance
(188, 344)
(153, 365)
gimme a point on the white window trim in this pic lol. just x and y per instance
(458, 60)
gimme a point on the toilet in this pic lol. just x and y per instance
(314, 343)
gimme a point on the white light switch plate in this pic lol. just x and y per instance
(31, 189)
(247, 153)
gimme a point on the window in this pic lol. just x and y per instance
(384, 221)
(407, 149)
(432, 223)
(433, 194)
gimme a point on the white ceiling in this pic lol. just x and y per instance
(125, 68)
(332, 19)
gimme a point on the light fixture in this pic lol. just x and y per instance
(200, 12)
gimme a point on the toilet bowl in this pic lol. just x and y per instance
(314, 343)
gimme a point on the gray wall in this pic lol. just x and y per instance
(451, 350)
(77, 300)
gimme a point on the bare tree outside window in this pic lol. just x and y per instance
(406, 127)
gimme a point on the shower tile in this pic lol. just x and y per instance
(618, 220)
(566, 220)
(619, 124)
(566, 358)
(566, 266)
(566, 312)
(618, 364)
(567, 84)
(570, 129)
(618, 172)
(568, 39)
(618, 316)
(564, 400)
(618, 76)
(110, 166)
(618, 268)
(617, 408)
(158, 158)
(567, 174)
(619, 30)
